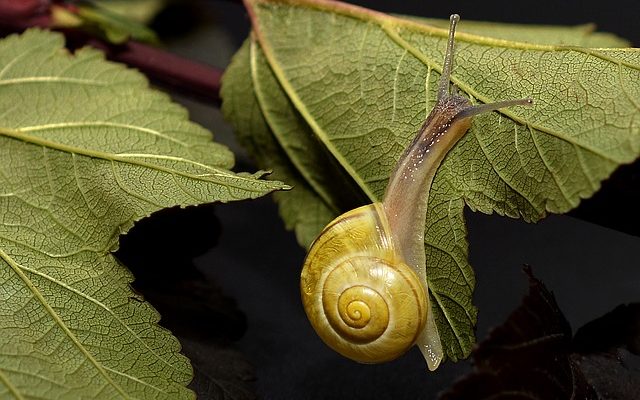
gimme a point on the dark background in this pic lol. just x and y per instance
(237, 309)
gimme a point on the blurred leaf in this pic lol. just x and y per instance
(607, 350)
(141, 11)
(619, 328)
(528, 357)
(221, 372)
(338, 85)
(87, 150)
(581, 35)
(117, 28)
(532, 355)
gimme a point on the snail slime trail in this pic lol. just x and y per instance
(363, 282)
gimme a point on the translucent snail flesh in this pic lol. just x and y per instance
(363, 283)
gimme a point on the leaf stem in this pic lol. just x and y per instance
(167, 69)
(162, 67)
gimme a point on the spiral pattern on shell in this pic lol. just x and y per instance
(361, 298)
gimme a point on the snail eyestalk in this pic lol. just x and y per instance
(443, 84)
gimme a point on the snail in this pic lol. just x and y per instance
(363, 283)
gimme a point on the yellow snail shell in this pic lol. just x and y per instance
(361, 298)
(363, 284)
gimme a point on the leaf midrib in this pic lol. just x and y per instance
(124, 158)
(101, 124)
(379, 18)
(50, 79)
(319, 189)
(12, 389)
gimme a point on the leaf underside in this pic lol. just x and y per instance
(332, 84)
(86, 149)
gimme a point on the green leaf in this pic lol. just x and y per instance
(580, 35)
(360, 83)
(141, 11)
(259, 136)
(109, 20)
(86, 150)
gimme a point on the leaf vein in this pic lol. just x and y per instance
(395, 85)
(594, 184)
(51, 255)
(58, 321)
(12, 389)
(452, 325)
(138, 380)
(125, 189)
(499, 173)
(92, 124)
(114, 157)
(313, 124)
(49, 206)
(624, 88)
(76, 176)
(551, 171)
(455, 260)
(33, 49)
(34, 375)
(360, 56)
(51, 79)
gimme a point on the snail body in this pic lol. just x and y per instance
(363, 282)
